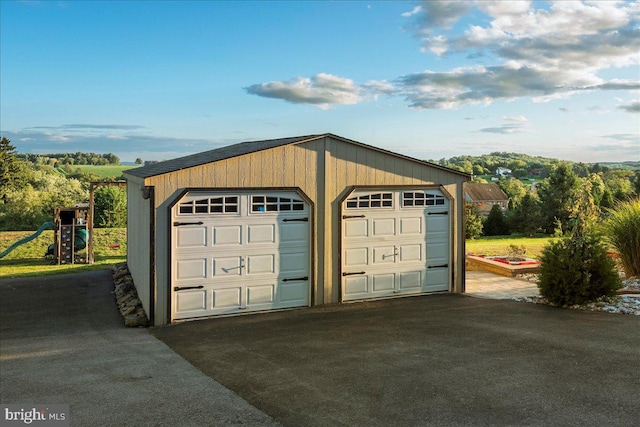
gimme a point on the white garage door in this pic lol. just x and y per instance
(395, 242)
(239, 252)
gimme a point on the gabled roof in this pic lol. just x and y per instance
(248, 147)
(477, 192)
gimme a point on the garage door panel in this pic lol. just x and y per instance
(259, 295)
(383, 282)
(356, 228)
(227, 235)
(262, 233)
(260, 264)
(190, 269)
(294, 233)
(356, 257)
(411, 226)
(411, 280)
(295, 292)
(294, 262)
(383, 255)
(191, 237)
(437, 280)
(410, 253)
(188, 301)
(226, 266)
(384, 227)
(438, 251)
(226, 298)
(354, 286)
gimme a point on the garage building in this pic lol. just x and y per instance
(292, 222)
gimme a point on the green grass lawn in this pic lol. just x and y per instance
(103, 171)
(28, 260)
(499, 245)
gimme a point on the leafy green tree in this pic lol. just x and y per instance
(33, 203)
(558, 194)
(12, 169)
(110, 207)
(514, 188)
(526, 217)
(619, 183)
(138, 161)
(636, 183)
(473, 221)
(496, 225)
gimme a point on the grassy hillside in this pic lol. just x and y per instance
(28, 260)
(106, 171)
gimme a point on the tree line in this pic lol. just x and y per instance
(524, 165)
(78, 158)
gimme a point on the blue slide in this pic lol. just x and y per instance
(45, 226)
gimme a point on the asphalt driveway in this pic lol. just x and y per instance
(62, 341)
(436, 360)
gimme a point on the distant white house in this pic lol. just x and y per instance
(503, 171)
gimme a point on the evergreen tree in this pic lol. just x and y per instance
(496, 225)
(558, 195)
(11, 169)
(526, 217)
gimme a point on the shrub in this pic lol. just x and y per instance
(576, 270)
(623, 232)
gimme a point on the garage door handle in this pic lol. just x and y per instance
(182, 288)
(295, 219)
(351, 274)
(439, 266)
(352, 216)
(177, 224)
(295, 278)
(438, 213)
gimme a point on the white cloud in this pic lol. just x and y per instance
(631, 107)
(519, 118)
(414, 11)
(516, 124)
(441, 13)
(543, 53)
(535, 51)
(321, 90)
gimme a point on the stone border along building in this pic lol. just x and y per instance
(292, 222)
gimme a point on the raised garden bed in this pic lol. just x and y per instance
(505, 266)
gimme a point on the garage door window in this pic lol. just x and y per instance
(418, 198)
(373, 200)
(213, 205)
(275, 204)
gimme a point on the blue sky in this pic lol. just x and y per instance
(432, 79)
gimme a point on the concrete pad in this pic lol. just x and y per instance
(63, 341)
(442, 360)
(494, 286)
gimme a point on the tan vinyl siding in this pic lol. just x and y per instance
(139, 240)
